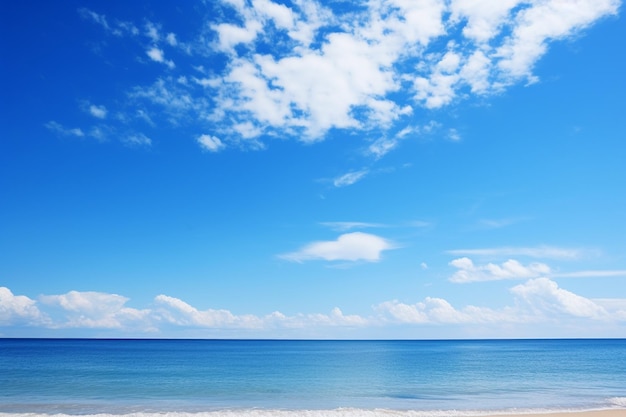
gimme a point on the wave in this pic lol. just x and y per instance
(615, 403)
(618, 401)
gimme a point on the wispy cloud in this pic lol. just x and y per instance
(59, 129)
(117, 28)
(544, 252)
(598, 273)
(137, 139)
(349, 178)
(345, 226)
(498, 223)
(355, 246)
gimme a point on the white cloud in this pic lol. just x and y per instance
(63, 131)
(439, 311)
(543, 296)
(545, 252)
(511, 269)
(350, 178)
(92, 309)
(302, 69)
(156, 55)
(538, 300)
(99, 112)
(355, 246)
(544, 21)
(178, 312)
(210, 143)
(152, 32)
(171, 39)
(18, 309)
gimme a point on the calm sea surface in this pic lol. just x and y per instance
(312, 378)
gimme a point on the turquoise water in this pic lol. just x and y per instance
(252, 377)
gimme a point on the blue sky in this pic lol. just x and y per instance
(305, 169)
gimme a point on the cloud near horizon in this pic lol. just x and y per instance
(536, 300)
(372, 68)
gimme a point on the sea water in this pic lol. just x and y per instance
(311, 378)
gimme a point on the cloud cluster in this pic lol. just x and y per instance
(511, 269)
(536, 300)
(302, 68)
(349, 77)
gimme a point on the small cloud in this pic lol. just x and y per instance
(156, 55)
(152, 32)
(99, 112)
(350, 178)
(356, 246)
(424, 265)
(345, 226)
(454, 135)
(171, 39)
(63, 131)
(138, 139)
(511, 269)
(210, 143)
(382, 147)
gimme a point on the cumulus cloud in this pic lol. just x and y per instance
(18, 309)
(90, 309)
(355, 246)
(178, 312)
(511, 269)
(537, 300)
(439, 311)
(543, 296)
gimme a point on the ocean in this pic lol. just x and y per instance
(215, 378)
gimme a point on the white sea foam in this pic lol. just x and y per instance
(616, 402)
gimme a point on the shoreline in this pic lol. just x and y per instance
(618, 412)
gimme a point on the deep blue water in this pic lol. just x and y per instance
(152, 376)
